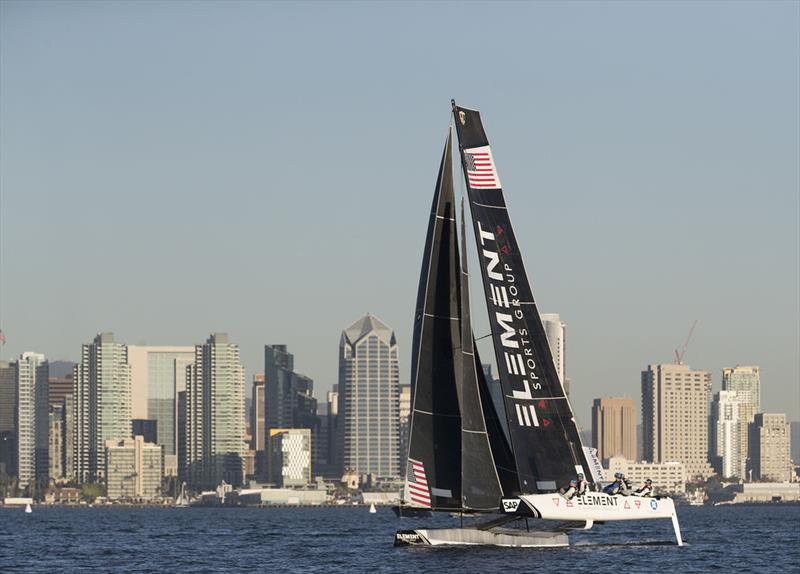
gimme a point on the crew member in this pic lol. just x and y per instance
(583, 486)
(615, 486)
(645, 490)
(570, 492)
(624, 485)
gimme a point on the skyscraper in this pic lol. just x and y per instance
(8, 427)
(33, 424)
(556, 331)
(675, 417)
(769, 447)
(258, 427)
(369, 388)
(290, 456)
(288, 395)
(746, 382)
(215, 418)
(102, 404)
(158, 374)
(725, 447)
(614, 427)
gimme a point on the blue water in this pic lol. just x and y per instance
(723, 539)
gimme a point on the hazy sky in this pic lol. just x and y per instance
(168, 169)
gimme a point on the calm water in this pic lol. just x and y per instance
(723, 539)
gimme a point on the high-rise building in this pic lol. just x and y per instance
(32, 418)
(258, 430)
(8, 428)
(724, 445)
(614, 427)
(133, 469)
(288, 395)
(290, 457)
(146, 428)
(675, 417)
(56, 442)
(746, 382)
(60, 383)
(556, 331)
(326, 464)
(158, 374)
(102, 404)
(68, 444)
(215, 418)
(769, 447)
(289, 401)
(369, 389)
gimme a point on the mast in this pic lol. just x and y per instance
(434, 452)
(545, 443)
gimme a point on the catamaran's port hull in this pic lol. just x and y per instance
(509, 537)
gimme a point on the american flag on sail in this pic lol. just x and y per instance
(417, 484)
(481, 172)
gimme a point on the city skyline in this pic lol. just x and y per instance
(629, 172)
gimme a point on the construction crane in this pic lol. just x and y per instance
(679, 355)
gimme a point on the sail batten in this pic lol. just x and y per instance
(544, 440)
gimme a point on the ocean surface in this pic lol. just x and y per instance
(308, 540)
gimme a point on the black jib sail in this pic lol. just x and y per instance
(434, 451)
(544, 437)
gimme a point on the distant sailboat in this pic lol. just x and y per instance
(468, 454)
(28, 509)
(372, 509)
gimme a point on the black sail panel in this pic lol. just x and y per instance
(434, 458)
(480, 484)
(544, 437)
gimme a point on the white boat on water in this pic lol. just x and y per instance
(470, 450)
(28, 509)
(372, 509)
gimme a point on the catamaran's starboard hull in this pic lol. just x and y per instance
(595, 506)
(509, 537)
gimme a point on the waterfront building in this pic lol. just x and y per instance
(769, 447)
(8, 428)
(556, 331)
(369, 389)
(215, 417)
(746, 382)
(290, 457)
(32, 419)
(133, 469)
(675, 417)
(102, 404)
(614, 427)
(667, 477)
(158, 374)
(725, 446)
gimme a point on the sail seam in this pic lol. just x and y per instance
(492, 206)
(441, 317)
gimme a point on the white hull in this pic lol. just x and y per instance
(507, 537)
(594, 507)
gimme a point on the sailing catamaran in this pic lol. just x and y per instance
(468, 453)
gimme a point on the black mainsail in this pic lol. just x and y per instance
(546, 446)
(434, 445)
(450, 459)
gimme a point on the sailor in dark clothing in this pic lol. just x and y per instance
(614, 487)
(645, 490)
